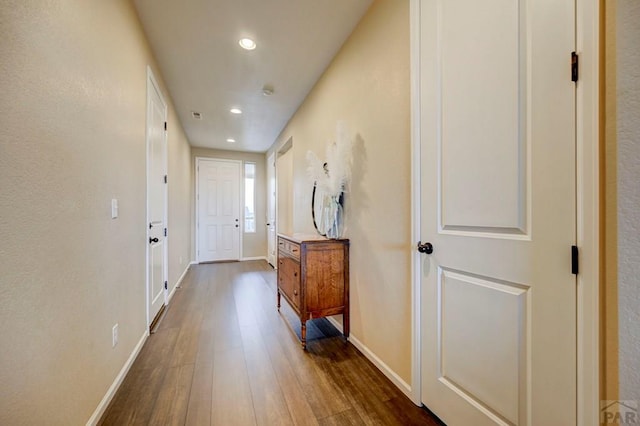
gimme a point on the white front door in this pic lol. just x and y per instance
(271, 209)
(156, 200)
(498, 200)
(218, 206)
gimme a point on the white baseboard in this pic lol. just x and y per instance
(193, 262)
(384, 368)
(253, 258)
(102, 407)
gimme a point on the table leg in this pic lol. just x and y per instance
(303, 333)
(345, 324)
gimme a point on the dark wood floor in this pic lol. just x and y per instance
(223, 355)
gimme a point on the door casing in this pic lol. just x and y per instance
(588, 39)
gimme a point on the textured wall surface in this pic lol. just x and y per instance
(73, 112)
(253, 244)
(367, 85)
(628, 109)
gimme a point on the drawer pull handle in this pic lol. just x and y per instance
(295, 292)
(295, 274)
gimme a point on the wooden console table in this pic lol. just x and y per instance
(313, 276)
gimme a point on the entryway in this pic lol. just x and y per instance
(218, 209)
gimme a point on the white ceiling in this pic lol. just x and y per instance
(196, 45)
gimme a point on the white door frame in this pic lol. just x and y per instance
(152, 84)
(272, 198)
(240, 206)
(588, 199)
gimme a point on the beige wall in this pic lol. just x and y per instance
(253, 244)
(284, 189)
(628, 197)
(367, 85)
(73, 111)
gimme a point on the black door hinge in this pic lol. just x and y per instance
(574, 66)
(165, 178)
(574, 260)
(165, 126)
(165, 232)
(166, 287)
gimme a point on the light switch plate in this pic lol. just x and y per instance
(114, 208)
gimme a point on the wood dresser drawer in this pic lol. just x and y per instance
(289, 248)
(313, 277)
(289, 280)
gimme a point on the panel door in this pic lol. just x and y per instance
(218, 210)
(156, 202)
(498, 309)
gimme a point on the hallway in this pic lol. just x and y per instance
(223, 355)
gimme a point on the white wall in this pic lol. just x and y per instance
(628, 141)
(253, 244)
(367, 85)
(72, 137)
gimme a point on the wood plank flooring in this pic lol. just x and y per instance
(223, 355)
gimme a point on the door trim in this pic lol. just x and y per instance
(272, 198)
(588, 201)
(240, 206)
(152, 84)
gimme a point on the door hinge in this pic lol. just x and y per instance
(166, 287)
(574, 66)
(165, 232)
(165, 178)
(165, 126)
(574, 260)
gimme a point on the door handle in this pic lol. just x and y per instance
(425, 248)
(153, 240)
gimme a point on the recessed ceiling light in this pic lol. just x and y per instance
(230, 140)
(235, 111)
(247, 43)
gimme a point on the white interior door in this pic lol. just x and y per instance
(156, 200)
(497, 126)
(271, 209)
(218, 199)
